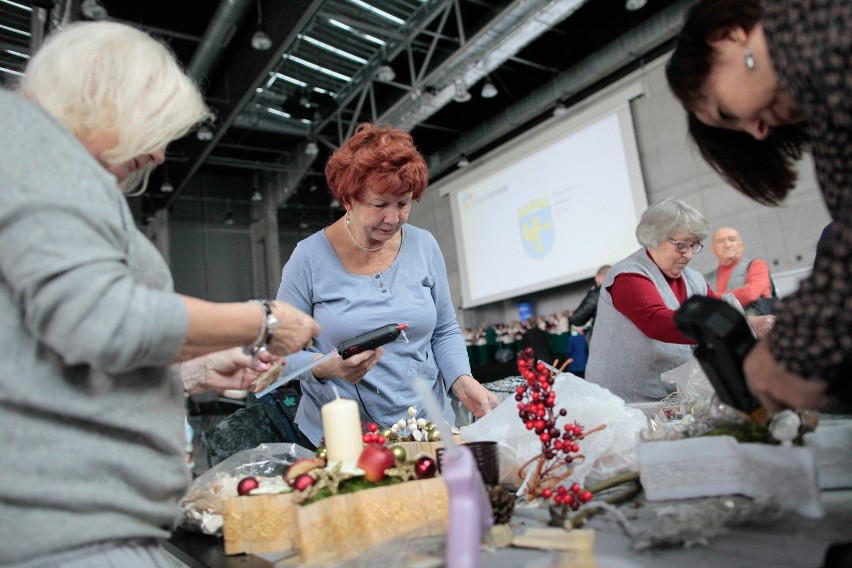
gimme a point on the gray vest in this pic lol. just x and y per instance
(622, 358)
(738, 280)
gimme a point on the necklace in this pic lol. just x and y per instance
(346, 223)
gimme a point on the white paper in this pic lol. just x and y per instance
(719, 465)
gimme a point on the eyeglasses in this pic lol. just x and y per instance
(682, 246)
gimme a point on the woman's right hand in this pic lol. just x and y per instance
(352, 369)
(295, 330)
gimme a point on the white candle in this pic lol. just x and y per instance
(341, 426)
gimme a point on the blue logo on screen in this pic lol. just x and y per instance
(536, 223)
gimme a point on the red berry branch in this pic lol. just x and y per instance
(559, 448)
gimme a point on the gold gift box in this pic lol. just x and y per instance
(336, 527)
(260, 523)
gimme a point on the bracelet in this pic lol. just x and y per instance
(270, 322)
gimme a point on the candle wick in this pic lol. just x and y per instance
(336, 394)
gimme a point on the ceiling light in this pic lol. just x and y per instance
(204, 133)
(489, 91)
(560, 110)
(260, 40)
(462, 95)
(335, 204)
(167, 187)
(634, 5)
(257, 196)
(385, 73)
(93, 10)
(229, 218)
(463, 161)
(311, 148)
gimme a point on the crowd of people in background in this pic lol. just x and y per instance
(552, 337)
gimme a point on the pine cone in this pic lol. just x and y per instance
(502, 503)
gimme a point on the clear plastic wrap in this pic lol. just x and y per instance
(607, 452)
(202, 505)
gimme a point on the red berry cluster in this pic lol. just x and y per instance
(372, 436)
(573, 498)
(537, 409)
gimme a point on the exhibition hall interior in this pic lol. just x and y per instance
(548, 129)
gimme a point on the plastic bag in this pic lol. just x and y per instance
(694, 389)
(607, 452)
(201, 507)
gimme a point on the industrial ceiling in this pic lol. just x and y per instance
(289, 80)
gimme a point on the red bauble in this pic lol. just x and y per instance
(246, 484)
(303, 482)
(374, 460)
(424, 467)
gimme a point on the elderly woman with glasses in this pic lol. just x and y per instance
(635, 337)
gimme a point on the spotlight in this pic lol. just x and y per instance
(462, 95)
(634, 5)
(385, 73)
(229, 218)
(260, 40)
(489, 91)
(560, 110)
(204, 133)
(311, 148)
(93, 10)
(463, 161)
(167, 187)
(257, 196)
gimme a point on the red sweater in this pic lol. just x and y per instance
(757, 284)
(637, 298)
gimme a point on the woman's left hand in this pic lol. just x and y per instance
(776, 387)
(761, 325)
(475, 397)
(230, 369)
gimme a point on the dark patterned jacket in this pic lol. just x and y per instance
(810, 42)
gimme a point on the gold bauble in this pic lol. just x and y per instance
(399, 453)
(322, 452)
(386, 432)
(434, 435)
(430, 426)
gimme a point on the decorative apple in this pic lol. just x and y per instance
(374, 460)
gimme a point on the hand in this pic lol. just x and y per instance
(777, 388)
(295, 330)
(352, 369)
(761, 325)
(223, 370)
(475, 397)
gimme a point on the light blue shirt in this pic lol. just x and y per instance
(413, 290)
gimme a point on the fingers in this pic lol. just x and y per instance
(295, 330)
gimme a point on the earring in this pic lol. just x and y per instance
(346, 220)
(749, 59)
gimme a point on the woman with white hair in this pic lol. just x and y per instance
(635, 337)
(91, 406)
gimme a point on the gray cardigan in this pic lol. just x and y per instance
(91, 413)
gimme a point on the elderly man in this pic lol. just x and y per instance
(747, 279)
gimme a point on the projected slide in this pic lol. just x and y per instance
(550, 213)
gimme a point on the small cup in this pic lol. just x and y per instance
(486, 457)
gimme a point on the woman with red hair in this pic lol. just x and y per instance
(371, 268)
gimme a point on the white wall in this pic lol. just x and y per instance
(784, 236)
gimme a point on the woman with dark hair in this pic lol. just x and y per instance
(371, 268)
(762, 81)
